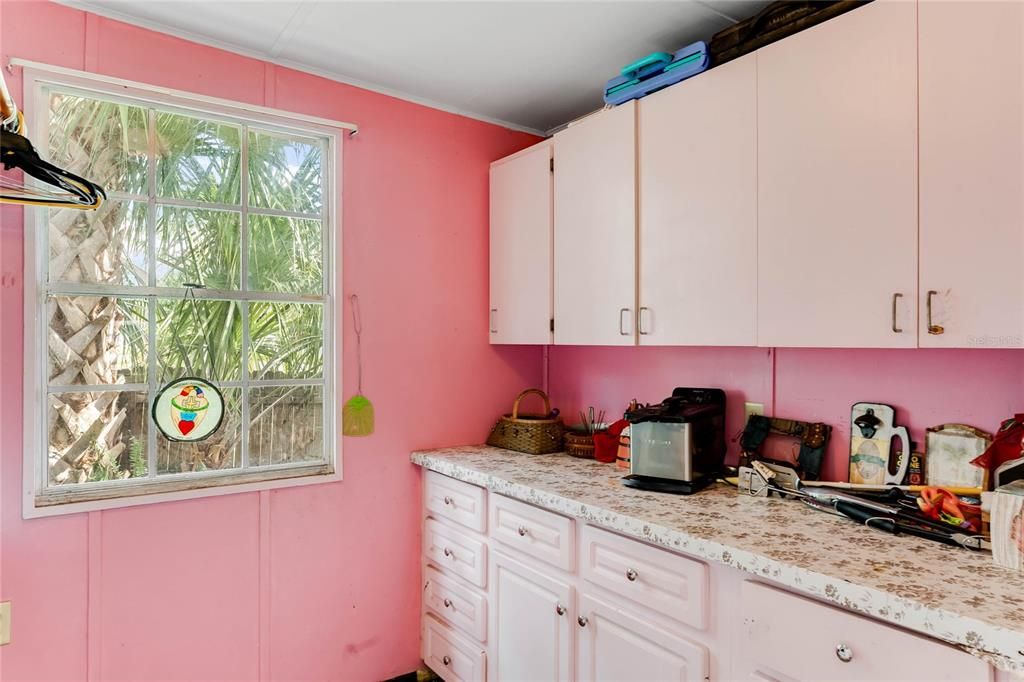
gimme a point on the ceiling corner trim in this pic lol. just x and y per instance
(159, 27)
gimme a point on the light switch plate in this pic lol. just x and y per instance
(5, 622)
(751, 409)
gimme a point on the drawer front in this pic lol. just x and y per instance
(455, 551)
(455, 603)
(803, 639)
(446, 498)
(668, 583)
(453, 657)
(532, 531)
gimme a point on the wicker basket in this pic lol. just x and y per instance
(579, 444)
(534, 434)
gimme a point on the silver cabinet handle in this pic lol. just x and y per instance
(559, 609)
(631, 574)
(448, 552)
(447, 500)
(644, 329)
(844, 653)
(895, 300)
(447, 603)
(522, 531)
(447, 660)
(622, 330)
(582, 621)
(491, 322)
(934, 329)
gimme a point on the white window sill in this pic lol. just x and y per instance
(74, 499)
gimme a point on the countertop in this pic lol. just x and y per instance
(948, 593)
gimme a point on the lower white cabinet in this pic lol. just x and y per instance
(452, 656)
(616, 645)
(506, 607)
(531, 623)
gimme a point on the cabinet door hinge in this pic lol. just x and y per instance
(552, 324)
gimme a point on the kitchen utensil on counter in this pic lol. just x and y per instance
(810, 440)
(1006, 446)
(1008, 472)
(534, 434)
(872, 428)
(590, 424)
(678, 445)
(952, 450)
(622, 455)
(1007, 519)
(579, 443)
(894, 512)
(942, 505)
(606, 446)
(860, 488)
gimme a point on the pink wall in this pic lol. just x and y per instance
(309, 583)
(927, 387)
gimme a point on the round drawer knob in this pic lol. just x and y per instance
(447, 603)
(631, 574)
(559, 609)
(844, 653)
(447, 500)
(522, 531)
(448, 552)
(582, 621)
(447, 660)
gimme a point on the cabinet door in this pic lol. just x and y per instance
(617, 646)
(837, 182)
(531, 623)
(697, 156)
(520, 275)
(972, 174)
(595, 229)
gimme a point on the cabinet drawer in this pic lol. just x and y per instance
(532, 531)
(446, 498)
(455, 603)
(801, 638)
(455, 551)
(660, 580)
(453, 657)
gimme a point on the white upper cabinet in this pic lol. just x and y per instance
(595, 229)
(837, 181)
(520, 272)
(697, 146)
(972, 174)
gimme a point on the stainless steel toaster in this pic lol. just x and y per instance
(678, 445)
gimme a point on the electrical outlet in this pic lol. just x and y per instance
(751, 409)
(5, 622)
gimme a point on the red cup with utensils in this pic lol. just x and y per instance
(606, 443)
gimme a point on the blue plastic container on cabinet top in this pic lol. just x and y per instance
(655, 71)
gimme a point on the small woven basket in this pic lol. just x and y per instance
(534, 434)
(579, 444)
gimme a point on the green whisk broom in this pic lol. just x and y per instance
(357, 413)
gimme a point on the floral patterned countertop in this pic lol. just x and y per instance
(944, 592)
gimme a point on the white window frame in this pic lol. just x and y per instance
(41, 500)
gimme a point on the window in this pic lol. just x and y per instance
(211, 257)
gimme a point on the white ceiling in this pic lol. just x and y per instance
(527, 64)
